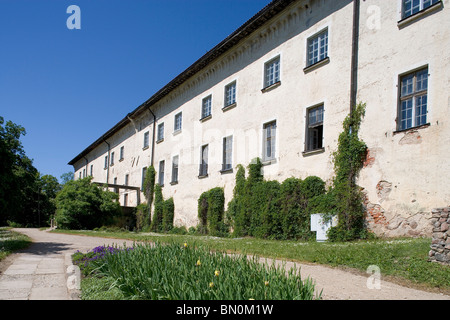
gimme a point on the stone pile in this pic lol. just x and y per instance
(440, 244)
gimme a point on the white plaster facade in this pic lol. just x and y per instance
(406, 172)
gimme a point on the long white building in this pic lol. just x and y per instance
(279, 88)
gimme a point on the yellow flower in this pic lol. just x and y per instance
(211, 284)
(216, 273)
(251, 299)
(199, 263)
(266, 283)
(185, 245)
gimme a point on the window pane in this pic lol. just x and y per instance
(272, 72)
(407, 85)
(422, 80)
(421, 110)
(178, 121)
(175, 169)
(161, 173)
(406, 114)
(269, 141)
(230, 94)
(161, 131)
(206, 107)
(318, 48)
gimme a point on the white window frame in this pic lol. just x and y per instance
(268, 82)
(227, 151)
(160, 132)
(203, 168)
(273, 141)
(161, 172)
(421, 7)
(146, 140)
(312, 127)
(175, 128)
(413, 97)
(320, 56)
(229, 102)
(175, 169)
(206, 107)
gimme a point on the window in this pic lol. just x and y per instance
(318, 47)
(161, 173)
(230, 94)
(269, 141)
(84, 173)
(122, 152)
(206, 107)
(227, 153)
(112, 158)
(178, 122)
(126, 179)
(203, 172)
(146, 139)
(175, 170)
(160, 132)
(144, 172)
(125, 200)
(106, 162)
(115, 180)
(79, 175)
(314, 128)
(413, 100)
(411, 7)
(272, 72)
(92, 170)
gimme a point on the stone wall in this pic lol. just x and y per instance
(440, 245)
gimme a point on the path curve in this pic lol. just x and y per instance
(39, 272)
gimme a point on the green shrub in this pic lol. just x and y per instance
(211, 208)
(158, 212)
(142, 213)
(168, 214)
(84, 205)
(203, 213)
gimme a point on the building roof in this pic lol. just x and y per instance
(264, 15)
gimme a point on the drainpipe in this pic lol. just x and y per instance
(355, 48)
(153, 139)
(107, 162)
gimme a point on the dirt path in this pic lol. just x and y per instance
(336, 284)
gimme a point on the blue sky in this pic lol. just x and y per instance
(68, 87)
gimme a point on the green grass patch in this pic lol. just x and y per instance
(399, 259)
(11, 241)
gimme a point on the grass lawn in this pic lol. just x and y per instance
(11, 241)
(400, 260)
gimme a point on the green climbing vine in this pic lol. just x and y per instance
(348, 162)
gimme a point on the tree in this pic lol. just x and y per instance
(18, 189)
(66, 177)
(26, 197)
(84, 205)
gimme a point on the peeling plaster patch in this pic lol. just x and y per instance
(411, 137)
(376, 213)
(384, 188)
(370, 159)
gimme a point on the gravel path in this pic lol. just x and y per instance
(40, 272)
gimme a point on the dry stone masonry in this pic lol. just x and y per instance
(440, 245)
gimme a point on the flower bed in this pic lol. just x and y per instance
(188, 272)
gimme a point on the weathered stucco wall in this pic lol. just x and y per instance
(405, 172)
